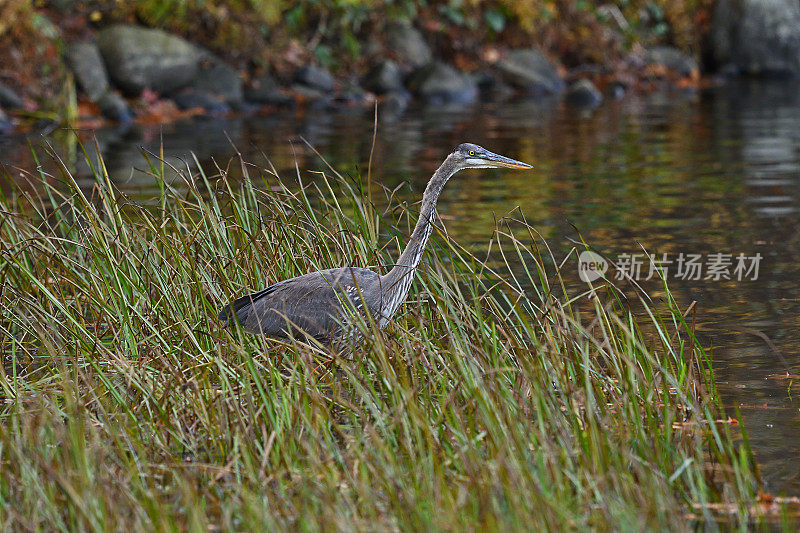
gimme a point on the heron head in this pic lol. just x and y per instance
(469, 155)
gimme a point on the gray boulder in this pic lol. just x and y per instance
(309, 96)
(137, 58)
(491, 87)
(756, 37)
(114, 107)
(191, 98)
(315, 78)
(264, 90)
(6, 126)
(673, 59)
(583, 93)
(219, 79)
(616, 89)
(529, 70)
(441, 83)
(394, 103)
(352, 94)
(86, 63)
(409, 45)
(384, 77)
(9, 98)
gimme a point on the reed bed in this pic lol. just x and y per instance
(499, 399)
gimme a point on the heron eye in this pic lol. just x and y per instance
(472, 152)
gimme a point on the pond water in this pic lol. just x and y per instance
(713, 174)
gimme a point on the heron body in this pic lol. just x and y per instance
(321, 304)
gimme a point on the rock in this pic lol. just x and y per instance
(306, 94)
(616, 89)
(441, 83)
(529, 70)
(191, 98)
(9, 98)
(264, 90)
(219, 79)
(114, 107)
(409, 45)
(395, 102)
(583, 93)
(492, 87)
(137, 58)
(590, 70)
(261, 88)
(758, 37)
(6, 126)
(352, 94)
(673, 59)
(392, 105)
(384, 77)
(315, 78)
(728, 71)
(86, 63)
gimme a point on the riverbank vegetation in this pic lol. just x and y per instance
(498, 399)
(335, 31)
(339, 32)
(260, 37)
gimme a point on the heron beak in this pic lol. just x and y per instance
(507, 162)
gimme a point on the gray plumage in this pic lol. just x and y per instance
(318, 304)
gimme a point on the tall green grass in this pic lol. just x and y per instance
(497, 399)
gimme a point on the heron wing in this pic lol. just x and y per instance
(306, 305)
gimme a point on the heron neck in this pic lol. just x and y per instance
(397, 281)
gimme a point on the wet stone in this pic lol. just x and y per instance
(583, 93)
(756, 37)
(530, 70)
(9, 99)
(193, 99)
(315, 78)
(395, 102)
(384, 77)
(6, 126)
(137, 58)
(219, 79)
(352, 94)
(673, 59)
(114, 107)
(491, 87)
(616, 89)
(87, 65)
(408, 44)
(264, 90)
(441, 83)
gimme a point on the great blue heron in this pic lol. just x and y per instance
(320, 304)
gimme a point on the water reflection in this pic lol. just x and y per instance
(675, 173)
